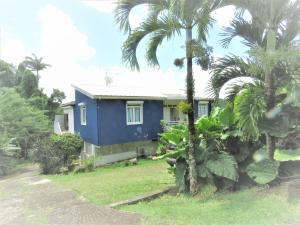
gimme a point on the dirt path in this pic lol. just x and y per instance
(28, 199)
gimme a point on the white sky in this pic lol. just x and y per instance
(67, 49)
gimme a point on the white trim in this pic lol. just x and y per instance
(134, 102)
(203, 102)
(83, 91)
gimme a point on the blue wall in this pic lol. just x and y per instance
(106, 121)
(88, 132)
(113, 127)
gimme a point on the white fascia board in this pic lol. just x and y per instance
(128, 97)
(83, 92)
(135, 102)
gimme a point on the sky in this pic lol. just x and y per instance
(82, 43)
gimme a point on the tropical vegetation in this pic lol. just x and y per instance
(26, 113)
(165, 20)
(254, 131)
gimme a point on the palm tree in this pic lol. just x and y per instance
(166, 19)
(274, 24)
(35, 64)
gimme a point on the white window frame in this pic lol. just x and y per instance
(134, 104)
(82, 118)
(203, 103)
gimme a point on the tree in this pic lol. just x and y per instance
(7, 75)
(35, 64)
(20, 121)
(166, 19)
(274, 25)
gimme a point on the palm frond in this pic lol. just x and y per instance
(167, 26)
(249, 107)
(227, 68)
(123, 10)
(251, 33)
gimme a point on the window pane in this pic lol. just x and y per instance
(137, 114)
(129, 115)
(83, 115)
(174, 114)
(203, 109)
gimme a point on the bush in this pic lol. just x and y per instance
(47, 157)
(89, 164)
(80, 169)
(67, 145)
(58, 151)
(64, 170)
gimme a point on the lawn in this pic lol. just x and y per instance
(117, 182)
(241, 208)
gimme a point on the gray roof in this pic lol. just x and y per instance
(118, 92)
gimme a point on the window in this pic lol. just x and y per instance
(174, 114)
(202, 109)
(66, 121)
(134, 112)
(82, 113)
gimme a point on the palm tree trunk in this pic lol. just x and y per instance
(270, 92)
(37, 78)
(270, 103)
(191, 117)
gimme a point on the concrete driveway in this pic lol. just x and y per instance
(27, 198)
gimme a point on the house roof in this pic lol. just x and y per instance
(118, 92)
(67, 104)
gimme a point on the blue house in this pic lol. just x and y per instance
(120, 123)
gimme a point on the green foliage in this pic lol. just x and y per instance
(57, 151)
(287, 155)
(176, 134)
(249, 108)
(184, 107)
(21, 121)
(181, 175)
(47, 156)
(28, 85)
(66, 145)
(264, 171)
(227, 116)
(89, 163)
(211, 159)
(223, 166)
(80, 169)
(8, 77)
(64, 170)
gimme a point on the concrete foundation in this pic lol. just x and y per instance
(114, 153)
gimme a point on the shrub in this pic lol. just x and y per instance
(67, 145)
(57, 151)
(89, 164)
(47, 157)
(64, 170)
(80, 169)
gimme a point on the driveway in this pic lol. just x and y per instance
(27, 198)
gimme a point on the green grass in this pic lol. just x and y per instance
(117, 182)
(246, 207)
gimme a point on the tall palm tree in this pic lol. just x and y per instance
(35, 64)
(273, 24)
(166, 19)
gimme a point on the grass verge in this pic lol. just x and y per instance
(116, 182)
(248, 207)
